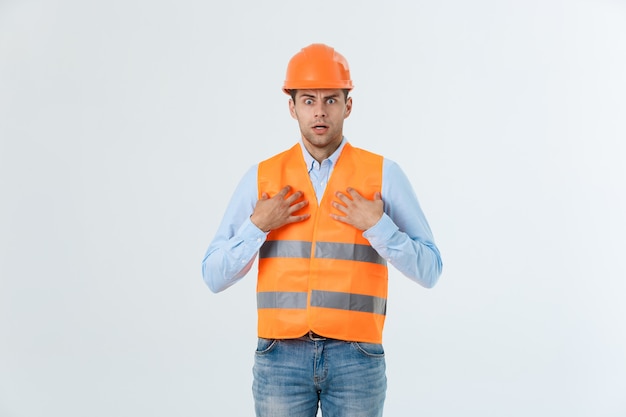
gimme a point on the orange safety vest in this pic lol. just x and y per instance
(321, 274)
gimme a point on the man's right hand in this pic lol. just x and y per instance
(272, 213)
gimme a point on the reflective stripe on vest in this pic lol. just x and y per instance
(278, 299)
(325, 299)
(346, 301)
(324, 250)
(285, 249)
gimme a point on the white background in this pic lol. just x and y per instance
(126, 124)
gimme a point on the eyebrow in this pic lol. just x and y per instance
(323, 97)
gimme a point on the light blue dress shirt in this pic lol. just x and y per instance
(402, 235)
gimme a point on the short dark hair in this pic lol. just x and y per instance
(293, 93)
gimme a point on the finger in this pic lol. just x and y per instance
(340, 207)
(283, 192)
(264, 196)
(341, 196)
(298, 206)
(378, 196)
(354, 194)
(294, 197)
(294, 219)
(341, 219)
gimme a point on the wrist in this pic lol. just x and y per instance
(259, 225)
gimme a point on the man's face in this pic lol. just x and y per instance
(320, 114)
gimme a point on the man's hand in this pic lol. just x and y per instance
(272, 213)
(358, 211)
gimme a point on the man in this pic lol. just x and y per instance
(325, 219)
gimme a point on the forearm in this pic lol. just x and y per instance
(228, 260)
(416, 258)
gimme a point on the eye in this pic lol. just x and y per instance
(308, 101)
(331, 101)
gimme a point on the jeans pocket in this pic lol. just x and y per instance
(372, 350)
(264, 346)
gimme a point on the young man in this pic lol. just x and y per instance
(325, 219)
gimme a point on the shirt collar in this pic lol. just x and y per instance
(310, 161)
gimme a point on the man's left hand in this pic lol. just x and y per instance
(357, 210)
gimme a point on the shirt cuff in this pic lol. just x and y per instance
(248, 231)
(381, 232)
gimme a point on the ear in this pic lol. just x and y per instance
(348, 108)
(292, 109)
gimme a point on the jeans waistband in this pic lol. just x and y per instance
(311, 335)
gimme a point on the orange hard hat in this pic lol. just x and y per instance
(317, 66)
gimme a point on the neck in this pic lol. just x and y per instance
(319, 153)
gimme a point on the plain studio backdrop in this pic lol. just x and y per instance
(126, 125)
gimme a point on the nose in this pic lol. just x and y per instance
(320, 110)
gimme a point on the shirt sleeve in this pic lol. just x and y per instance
(402, 236)
(237, 241)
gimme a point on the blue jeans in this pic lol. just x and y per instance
(292, 377)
